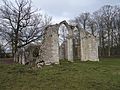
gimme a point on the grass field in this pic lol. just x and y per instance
(103, 75)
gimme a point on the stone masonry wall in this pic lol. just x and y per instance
(89, 47)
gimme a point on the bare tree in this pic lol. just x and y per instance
(101, 32)
(106, 14)
(2, 51)
(82, 20)
(92, 25)
(20, 24)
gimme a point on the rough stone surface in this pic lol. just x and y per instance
(88, 45)
(51, 53)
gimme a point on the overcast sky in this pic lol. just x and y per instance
(68, 9)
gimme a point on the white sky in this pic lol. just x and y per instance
(68, 9)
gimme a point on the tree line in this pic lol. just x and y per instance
(105, 25)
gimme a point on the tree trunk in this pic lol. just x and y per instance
(109, 46)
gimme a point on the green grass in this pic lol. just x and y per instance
(103, 75)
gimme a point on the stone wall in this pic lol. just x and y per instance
(49, 49)
(88, 45)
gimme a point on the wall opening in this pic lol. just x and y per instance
(76, 44)
(63, 33)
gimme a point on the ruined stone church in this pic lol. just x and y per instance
(86, 48)
(81, 45)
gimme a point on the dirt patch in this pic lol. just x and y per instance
(7, 60)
